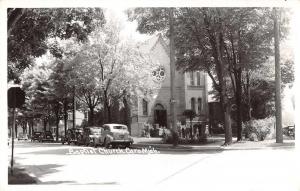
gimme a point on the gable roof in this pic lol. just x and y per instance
(150, 44)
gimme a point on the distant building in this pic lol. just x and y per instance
(190, 92)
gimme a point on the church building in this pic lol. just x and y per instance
(190, 92)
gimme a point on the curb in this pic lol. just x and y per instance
(181, 148)
(177, 149)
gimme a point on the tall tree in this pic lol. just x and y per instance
(109, 68)
(35, 82)
(29, 28)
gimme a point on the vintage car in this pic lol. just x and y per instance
(46, 137)
(36, 136)
(116, 135)
(91, 136)
(72, 136)
(22, 136)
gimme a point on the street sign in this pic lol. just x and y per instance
(15, 97)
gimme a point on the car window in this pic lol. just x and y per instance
(119, 127)
(95, 130)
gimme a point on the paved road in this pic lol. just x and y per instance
(265, 169)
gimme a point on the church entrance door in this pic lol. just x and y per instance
(160, 115)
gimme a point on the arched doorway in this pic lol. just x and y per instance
(160, 115)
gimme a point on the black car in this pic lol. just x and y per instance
(36, 136)
(22, 136)
(46, 136)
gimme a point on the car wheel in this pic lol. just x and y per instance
(93, 143)
(127, 145)
(107, 144)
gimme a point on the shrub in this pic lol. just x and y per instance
(261, 127)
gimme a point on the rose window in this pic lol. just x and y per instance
(159, 74)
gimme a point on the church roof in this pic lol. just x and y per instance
(149, 44)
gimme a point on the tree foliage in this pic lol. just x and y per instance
(29, 28)
(108, 68)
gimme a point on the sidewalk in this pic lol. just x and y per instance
(214, 143)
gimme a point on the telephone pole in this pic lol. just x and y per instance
(172, 79)
(279, 136)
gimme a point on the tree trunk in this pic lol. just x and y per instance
(91, 121)
(238, 97)
(248, 96)
(65, 115)
(45, 124)
(191, 128)
(127, 114)
(57, 122)
(228, 130)
(279, 135)
(31, 126)
(107, 107)
(74, 108)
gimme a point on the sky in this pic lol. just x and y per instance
(129, 28)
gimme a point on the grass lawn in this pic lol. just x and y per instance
(20, 177)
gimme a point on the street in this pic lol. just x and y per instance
(264, 169)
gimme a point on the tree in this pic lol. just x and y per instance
(108, 68)
(38, 89)
(28, 30)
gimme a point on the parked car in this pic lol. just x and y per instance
(36, 136)
(22, 136)
(46, 136)
(72, 136)
(90, 136)
(116, 135)
(95, 136)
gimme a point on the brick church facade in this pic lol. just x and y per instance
(190, 92)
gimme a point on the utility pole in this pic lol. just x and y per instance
(279, 136)
(172, 79)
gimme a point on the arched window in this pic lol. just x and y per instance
(145, 107)
(192, 82)
(198, 78)
(199, 105)
(193, 104)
